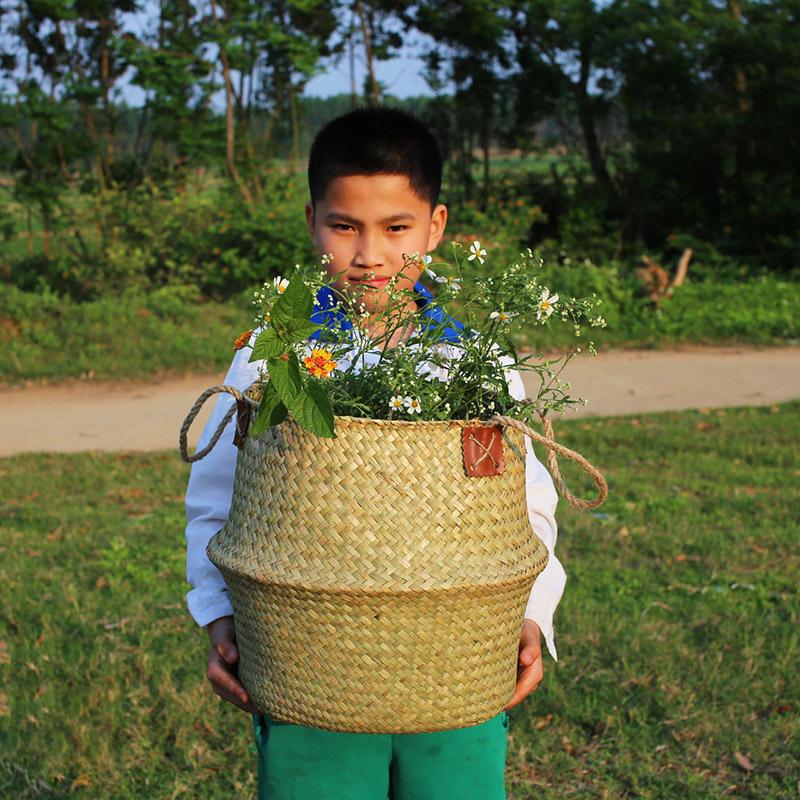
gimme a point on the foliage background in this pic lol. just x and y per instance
(133, 234)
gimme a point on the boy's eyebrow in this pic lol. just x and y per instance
(335, 216)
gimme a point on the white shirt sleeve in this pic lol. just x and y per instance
(542, 499)
(208, 499)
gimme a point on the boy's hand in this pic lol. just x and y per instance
(222, 668)
(530, 668)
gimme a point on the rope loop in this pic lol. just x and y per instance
(241, 400)
(553, 448)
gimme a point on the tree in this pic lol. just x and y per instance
(565, 45)
(177, 78)
(470, 54)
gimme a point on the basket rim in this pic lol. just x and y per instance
(407, 422)
(399, 423)
(429, 423)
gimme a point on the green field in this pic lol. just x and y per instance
(677, 634)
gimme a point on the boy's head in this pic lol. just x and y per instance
(374, 176)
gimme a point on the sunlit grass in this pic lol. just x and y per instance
(677, 634)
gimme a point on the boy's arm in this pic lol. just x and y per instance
(542, 499)
(208, 500)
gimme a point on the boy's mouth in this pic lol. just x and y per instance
(374, 282)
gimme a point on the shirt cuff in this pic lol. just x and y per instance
(205, 607)
(543, 601)
(547, 631)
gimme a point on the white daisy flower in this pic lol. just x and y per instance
(426, 259)
(431, 274)
(446, 356)
(453, 283)
(396, 402)
(546, 304)
(412, 404)
(503, 316)
(280, 284)
(476, 252)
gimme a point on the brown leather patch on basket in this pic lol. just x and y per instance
(242, 422)
(483, 450)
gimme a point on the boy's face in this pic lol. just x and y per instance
(368, 222)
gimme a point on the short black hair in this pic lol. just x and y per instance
(371, 141)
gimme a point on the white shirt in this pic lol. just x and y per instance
(210, 491)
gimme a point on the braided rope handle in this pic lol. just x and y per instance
(240, 399)
(553, 448)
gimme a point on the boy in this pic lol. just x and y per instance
(374, 180)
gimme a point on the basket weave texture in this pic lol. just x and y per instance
(376, 588)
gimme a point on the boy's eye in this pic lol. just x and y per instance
(344, 226)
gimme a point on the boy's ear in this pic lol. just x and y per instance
(310, 221)
(438, 222)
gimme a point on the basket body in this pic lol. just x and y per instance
(376, 588)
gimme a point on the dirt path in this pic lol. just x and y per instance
(147, 416)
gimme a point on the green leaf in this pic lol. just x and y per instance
(267, 345)
(271, 411)
(294, 306)
(312, 410)
(302, 331)
(285, 374)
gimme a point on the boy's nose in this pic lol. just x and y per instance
(368, 253)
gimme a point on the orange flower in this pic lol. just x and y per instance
(320, 363)
(242, 340)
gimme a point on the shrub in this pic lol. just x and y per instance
(148, 236)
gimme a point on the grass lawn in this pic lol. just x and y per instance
(677, 634)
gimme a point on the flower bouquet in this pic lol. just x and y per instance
(378, 551)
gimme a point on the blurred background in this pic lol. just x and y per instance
(152, 159)
(152, 175)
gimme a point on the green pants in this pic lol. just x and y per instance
(296, 762)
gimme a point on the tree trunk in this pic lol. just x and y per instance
(295, 126)
(230, 131)
(374, 96)
(352, 53)
(741, 106)
(29, 226)
(46, 233)
(230, 122)
(583, 102)
(108, 141)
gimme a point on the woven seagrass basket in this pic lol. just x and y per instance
(376, 586)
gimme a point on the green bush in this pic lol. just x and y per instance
(617, 291)
(149, 236)
(502, 228)
(760, 310)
